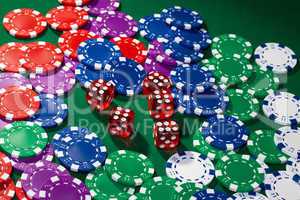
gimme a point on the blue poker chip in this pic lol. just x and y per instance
(86, 76)
(183, 103)
(190, 78)
(248, 196)
(209, 194)
(126, 75)
(52, 113)
(181, 53)
(97, 53)
(196, 40)
(182, 18)
(154, 27)
(225, 132)
(79, 149)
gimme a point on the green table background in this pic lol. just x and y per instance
(258, 21)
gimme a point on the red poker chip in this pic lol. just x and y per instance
(74, 2)
(41, 57)
(21, 195)
(5, 168)
(131, 48)
(69, 41)
(10, 54)
(18, 103)
(7, 190)
(24, 23)
(65, 18)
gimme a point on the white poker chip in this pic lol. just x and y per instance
(189, 166)
(287, 140)
(282, 107)
(281, 186)
(293, 166)
(276, 57)
(249, 196)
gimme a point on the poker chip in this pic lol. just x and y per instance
(229, 70)
(206, 149)
(248, 196)
(215, 131)
(10, 54)
(5, 168)
(158, 187)
(276, 57)
(20, 194)
(58, 83)
(98, 53)
(131, 48)
(116, 24)
(23, 139)
(228, 172)
(182, 18)
(35, 177)
(65, 18)
(231, 45)
(102, 186)
(74, 2)
(41, 57)
(7, 189)
(86, 76)
(281, 185)
(261, 145)
(293, 166)
(79, 149)
(196, 40)
(156, 52)
(242, 104)
(22, 164)
(190, 78)
(261, 83)
(52, 113)
(181, 53)
(154, 27)
(282, 108)
(69, 41)
(152, 65)
(96, 7)
(184, 103)
(116, 166)
(181, 164)
(18, 103)
(72, 64)
(209, 194)
(186, 190)
(126, 75)
(8, 79)
(287, 140)
(24, 23)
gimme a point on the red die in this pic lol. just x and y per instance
(100, 94)
(166, 134)
(155, 81)
(121, 122)
(161, 104)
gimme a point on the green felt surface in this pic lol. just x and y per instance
(258, 21)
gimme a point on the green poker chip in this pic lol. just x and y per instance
(229, 45)
(129, 168)
(240, 173)
(23, 139)
(261, 145)
(186, 190)
(138, 196)
(229, 70)
(159, 187)
(242, 104)
(262, 82)
(206, 149)
(103, 188)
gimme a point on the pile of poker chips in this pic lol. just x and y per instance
(176, 47)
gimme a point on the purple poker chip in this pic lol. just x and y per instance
(8, 79)
(157, 53)
(3, 123)
(97, 6)
(151, 65)
(72, 64)
(116, 24)
(35, 177)
(57, 83)
(22, 164)
(63, 187)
